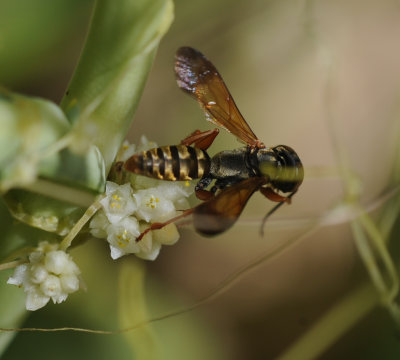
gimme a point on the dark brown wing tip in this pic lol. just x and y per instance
(187, 52)
(185, 68)
(210, 224)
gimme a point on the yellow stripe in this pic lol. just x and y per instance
(201, 162)
(168, 173)
(184, 159)
(156, 164)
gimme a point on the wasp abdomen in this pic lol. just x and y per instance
(176, 162)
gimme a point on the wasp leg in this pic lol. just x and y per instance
(208, 194)
(204, 194)
(221, 184)
(159, 225)
(200, 191)
(273, 196)
(201, 140)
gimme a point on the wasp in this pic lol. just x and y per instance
(276, 172)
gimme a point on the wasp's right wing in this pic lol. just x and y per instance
(217, 215)
(198, 77)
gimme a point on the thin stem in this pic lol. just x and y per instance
(221, 288)
(61, 192)
(60, 144)
(12, 264)
(379, 242)
(368, 257)
(92, 209)
(370, 240)
(67, 328)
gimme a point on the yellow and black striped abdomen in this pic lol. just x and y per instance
(175, 162)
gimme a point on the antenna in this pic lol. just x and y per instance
(269, 213)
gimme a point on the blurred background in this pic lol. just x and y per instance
(321, 77)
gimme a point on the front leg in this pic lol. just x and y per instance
(274, 196)
(220, 184)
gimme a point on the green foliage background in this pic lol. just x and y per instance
(321, 77)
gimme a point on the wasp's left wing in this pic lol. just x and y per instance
(198, 77)
(217, 215)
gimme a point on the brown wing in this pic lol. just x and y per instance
(198, 77)
(218, 214)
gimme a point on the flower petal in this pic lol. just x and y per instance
(168, 235)
(35, 301)
(19, 275)
(118, 203)
(56, 261)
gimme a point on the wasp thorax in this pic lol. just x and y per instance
(282, 167)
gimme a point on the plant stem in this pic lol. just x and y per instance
(12, 264)
(92, 209)
(61, 192)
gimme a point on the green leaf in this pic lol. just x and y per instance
(12, 309)
(111, 74)
(102, 97)
(78, 170)
(28, 127)
(16, 235)
(28, 49)
(42, 212)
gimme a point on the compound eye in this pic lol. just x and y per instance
(292, 173)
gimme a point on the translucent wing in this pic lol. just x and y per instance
(198, 77)
(217, 215)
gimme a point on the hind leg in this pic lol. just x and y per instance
(201, 139)
(200, 189)
(159, 225)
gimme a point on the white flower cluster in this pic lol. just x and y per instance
(129, 209)
(50, 274)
